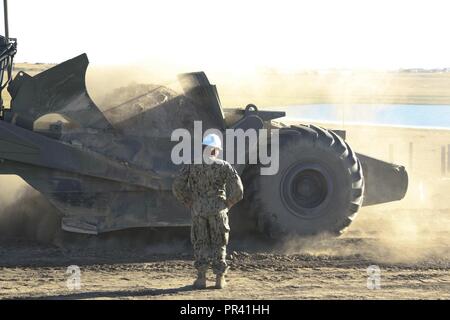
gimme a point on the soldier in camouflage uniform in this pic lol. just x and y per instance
(209, 190)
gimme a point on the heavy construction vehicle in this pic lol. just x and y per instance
(112, 170)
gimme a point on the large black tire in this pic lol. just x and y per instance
(318, 189)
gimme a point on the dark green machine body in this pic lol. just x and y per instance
(112, 170)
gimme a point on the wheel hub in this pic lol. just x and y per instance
(305, 189)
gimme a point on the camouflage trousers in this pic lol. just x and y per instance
(209, 237)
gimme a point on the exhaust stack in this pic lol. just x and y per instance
(8, 48)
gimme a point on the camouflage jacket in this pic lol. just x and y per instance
(208, 188)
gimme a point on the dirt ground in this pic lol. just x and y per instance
(320, 268)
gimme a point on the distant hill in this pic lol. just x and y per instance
(273, 88)
(31, 68)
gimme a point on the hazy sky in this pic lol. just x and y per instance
(228, 34)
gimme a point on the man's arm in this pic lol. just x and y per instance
(180, 187)
(234, 187)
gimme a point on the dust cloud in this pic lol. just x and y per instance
(412, 230)
(418, 227)
(10, 187)
(101, 82)
(26, 214)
